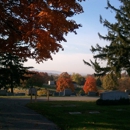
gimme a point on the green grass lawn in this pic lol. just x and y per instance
(104, 118)
(22, 97)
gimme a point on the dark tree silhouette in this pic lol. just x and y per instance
(11, 71)
(116, 54)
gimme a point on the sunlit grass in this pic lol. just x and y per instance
(107, 118)
(8, 97)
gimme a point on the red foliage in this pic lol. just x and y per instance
(90, 85)
(35, 28)
(64, 81)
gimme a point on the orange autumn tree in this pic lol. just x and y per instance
(64, 81)
(35, 28)
(90, 85)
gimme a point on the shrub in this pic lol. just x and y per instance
(42, 92)
(122, 101)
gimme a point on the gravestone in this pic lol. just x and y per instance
(114, 95)
(56, 94)
(51, 82)
(67, 92)
(61, 93)
(10, 94)
(127, 91)
(32, 91)
(73, 94)
(74, 113)
(3, 92)
(19, 94)
(94, 112)
(92, 93)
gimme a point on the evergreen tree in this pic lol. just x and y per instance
(98, 82)
(117, 53)
(11, 71)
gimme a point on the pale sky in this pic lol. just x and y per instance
(78, 46)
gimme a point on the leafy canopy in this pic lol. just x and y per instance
(116, 54)
(35, 28)
(79, 79)
(37, 79)
(90, 85)
(64, 82)
(110, 82)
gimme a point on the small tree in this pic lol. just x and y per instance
(110, 82)
(38, 79)
(64, 81)
(78, 78)
(35, 80)
(124, 83)
(90, 85)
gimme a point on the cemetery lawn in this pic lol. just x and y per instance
(13, 97)
(87, 116)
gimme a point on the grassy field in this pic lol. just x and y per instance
(89, 116)
(18, 97)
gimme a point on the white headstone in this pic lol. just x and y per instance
(51, 82)
(114, 95)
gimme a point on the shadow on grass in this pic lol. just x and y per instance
(108, 118)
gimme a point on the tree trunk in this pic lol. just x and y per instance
(11, 86)
(12, 91)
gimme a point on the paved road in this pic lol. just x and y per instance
(15, 116)
(70, 98)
